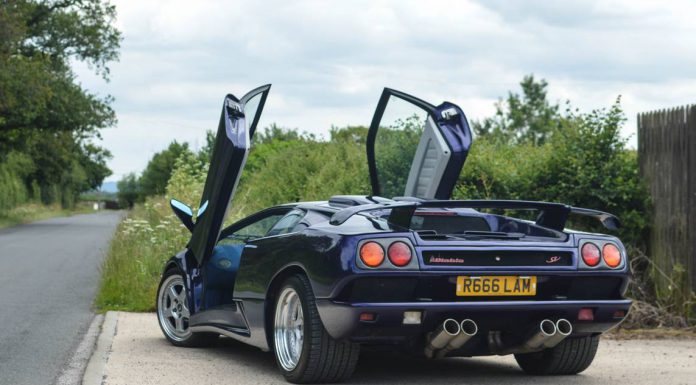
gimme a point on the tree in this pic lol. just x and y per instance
(276, 133)
(128, 190)
(520, 119)
(44, 111)
(159, 169)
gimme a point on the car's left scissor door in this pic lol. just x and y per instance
(237, 126)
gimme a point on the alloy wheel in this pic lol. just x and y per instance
(289, 328)
(172, 308)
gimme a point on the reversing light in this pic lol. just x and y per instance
(611, 255)
(590, 254)
(399, 254)
(412, 318)
(371, 254)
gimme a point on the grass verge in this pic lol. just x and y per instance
(144, 240)
(35, 212)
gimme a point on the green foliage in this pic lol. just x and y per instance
(143, 242)
(13, 192)
(128, 190)
(188, 179)
(300, 170)
(159, 169)
(522, 119)
(30, 212)
(283, 166)
(395, 148)
(275, 133)
(44, 112)
(573, 158)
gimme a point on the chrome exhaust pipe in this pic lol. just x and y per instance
(442, 336)
(547, 329)
(467, 329)
(563, 329)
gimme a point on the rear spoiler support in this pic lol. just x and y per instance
(551, 215)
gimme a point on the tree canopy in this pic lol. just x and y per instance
(45, 113)
(527, 118)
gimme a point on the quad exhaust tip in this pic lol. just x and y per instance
(563, 329)
(452, 335)
(468, 327)
(547, 335)
(547, 329)
(449, 336)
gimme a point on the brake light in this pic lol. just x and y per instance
(611, 255)
(590, 254)
(371, 254)
(399, 254)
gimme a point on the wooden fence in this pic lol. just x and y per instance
(667, 157)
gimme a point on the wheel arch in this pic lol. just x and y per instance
(271, 294)
(173, 263)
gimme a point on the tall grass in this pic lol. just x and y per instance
(144, 240)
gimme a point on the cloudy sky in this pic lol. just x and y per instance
(328, 60)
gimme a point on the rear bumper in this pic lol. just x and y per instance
(341, 319)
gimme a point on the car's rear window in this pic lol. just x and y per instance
(449, 224)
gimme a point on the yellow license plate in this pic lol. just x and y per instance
(500, 285)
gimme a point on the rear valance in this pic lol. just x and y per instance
(551, 215)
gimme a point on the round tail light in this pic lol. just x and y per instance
(611, 255)
(399, 254)
(590, 254)
(371, 254)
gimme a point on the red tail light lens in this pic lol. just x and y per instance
(371, 254)
(611, 255)
(590, 254)
(399, 254)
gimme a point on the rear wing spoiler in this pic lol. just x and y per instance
(551, 215)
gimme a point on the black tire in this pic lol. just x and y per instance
(322, 359)
(189, 339)
(571, 356)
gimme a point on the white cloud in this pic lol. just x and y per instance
(328, 61)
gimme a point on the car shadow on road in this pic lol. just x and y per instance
(387, 367)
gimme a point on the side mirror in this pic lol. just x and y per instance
(183, 212)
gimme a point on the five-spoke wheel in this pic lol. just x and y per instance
(305, 352)
(172, 308)
(173, 312)
(289, 328)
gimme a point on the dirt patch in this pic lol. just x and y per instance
(651, 334)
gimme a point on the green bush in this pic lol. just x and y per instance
(584, 162)
(13, 170)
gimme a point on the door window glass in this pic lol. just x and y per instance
(250, 109)
(287, 224)
(399, 134)
(254, 230)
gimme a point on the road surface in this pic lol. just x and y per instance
(49, 272)
(137, 353)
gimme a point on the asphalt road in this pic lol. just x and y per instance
(49, 272)
(139, 354)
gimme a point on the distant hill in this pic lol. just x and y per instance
(109, 187)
